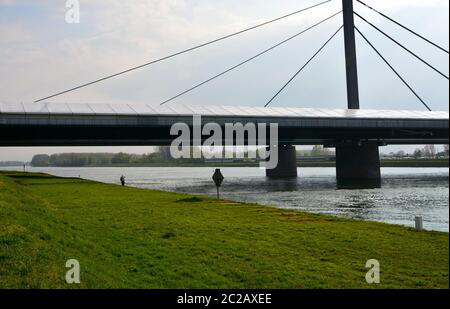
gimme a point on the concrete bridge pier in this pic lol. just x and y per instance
(358, 165)
(287, 163)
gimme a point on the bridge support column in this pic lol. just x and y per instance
(287, 163)
(358, 165)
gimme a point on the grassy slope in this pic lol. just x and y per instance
(126, 237)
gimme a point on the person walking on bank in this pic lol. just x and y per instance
(122, 180)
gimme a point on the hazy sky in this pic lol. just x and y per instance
(41, 54)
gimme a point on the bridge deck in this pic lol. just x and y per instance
(128, 124)
(219, 111)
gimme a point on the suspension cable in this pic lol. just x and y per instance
(402, 46)
(304, 66)
(182, 52)
(404, 27)
(249, 59)
(392, 68)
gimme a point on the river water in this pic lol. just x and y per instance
(405, 192)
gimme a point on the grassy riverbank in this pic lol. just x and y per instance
(132, 238)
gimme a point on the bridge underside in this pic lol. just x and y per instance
(356, 134)
(357, 154)
(57, 135)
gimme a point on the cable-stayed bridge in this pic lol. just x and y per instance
(356, 133)
(42, 124)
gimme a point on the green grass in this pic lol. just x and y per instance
(132, 238)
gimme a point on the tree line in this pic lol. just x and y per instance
(162, 155)
(427, 152)
(92, 159)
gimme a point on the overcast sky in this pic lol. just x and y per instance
(41, 54)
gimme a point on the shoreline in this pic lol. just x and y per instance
(138, 238)
(411, 163)
(396, 217)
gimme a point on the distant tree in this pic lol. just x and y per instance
(164, 152)
(400, 154)
(40, 160)
(446, 150)
(429, 151)
(417, 154)
(317, 151)
(121, 158)
(79, 159)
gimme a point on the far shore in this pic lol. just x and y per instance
(432, 163)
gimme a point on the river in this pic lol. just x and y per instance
(405, 192)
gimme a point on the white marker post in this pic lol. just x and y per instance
(419, 223)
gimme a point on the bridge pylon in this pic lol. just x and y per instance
(287, 163)
(357, 163)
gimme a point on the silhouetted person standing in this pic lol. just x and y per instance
(122, 180)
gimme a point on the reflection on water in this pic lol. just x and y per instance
(405, 192)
